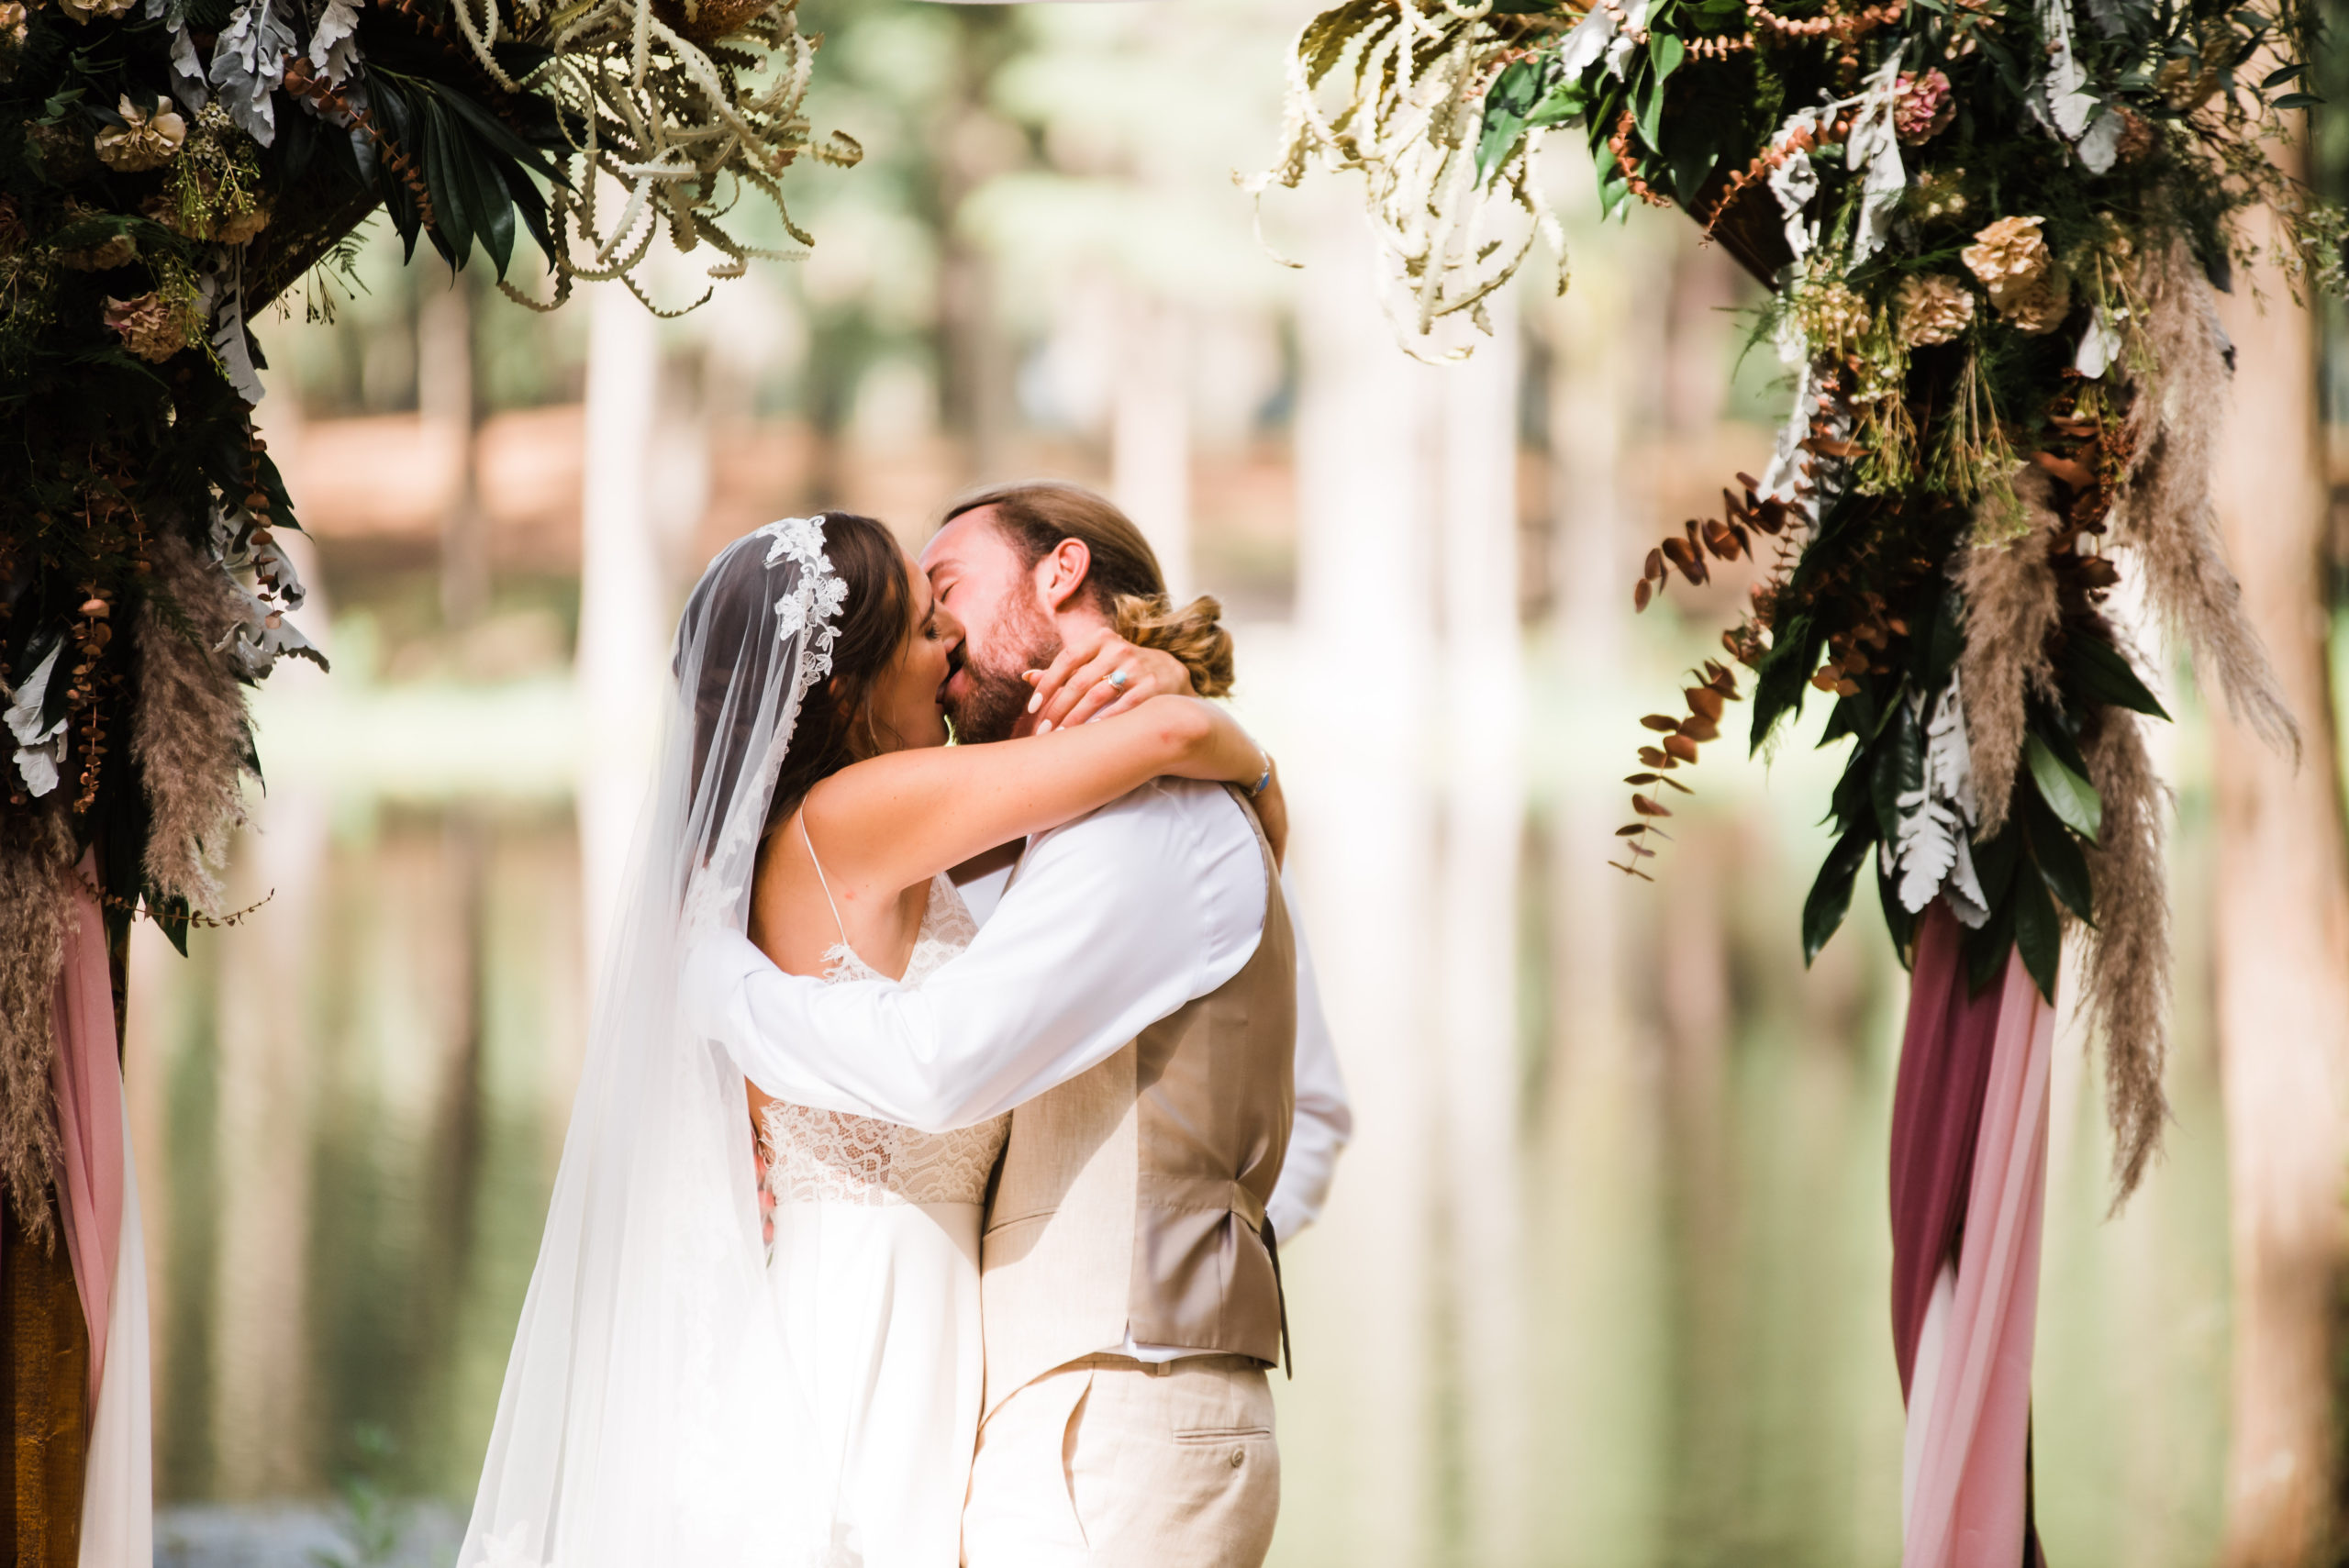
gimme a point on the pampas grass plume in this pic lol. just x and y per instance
(188, 736)
(2011, 610)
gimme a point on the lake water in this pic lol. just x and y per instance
(1603, 1281)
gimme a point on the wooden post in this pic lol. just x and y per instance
(44, 1386)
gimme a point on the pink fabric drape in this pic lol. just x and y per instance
(86, 1075)
(1969, 1170)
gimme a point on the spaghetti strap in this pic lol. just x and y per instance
(820, 881)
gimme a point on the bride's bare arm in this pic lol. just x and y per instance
(893, 821)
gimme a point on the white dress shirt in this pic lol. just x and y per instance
(1108, 924)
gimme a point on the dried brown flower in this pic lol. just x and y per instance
(2136, 136)
(152, 327)
(147, 138)
(1923, 106)
(1932, 308)
(117, 251)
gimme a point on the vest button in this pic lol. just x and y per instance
(1239, 1457)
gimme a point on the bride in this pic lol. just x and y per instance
(683, 1391)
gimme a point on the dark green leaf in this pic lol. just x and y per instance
(2039, 938)
(2067, 793)
(1786, 672)
(2276, 79)
(2298, 101)
(1899, 923)
(1896, 766)
(1831, 896)
(1987, 949)
(447, 179)
(1507, 103)
(2057, 854)
(1943, 641)
(2097, 671)
(1665, 51)
(493, 131)
(1994, 863)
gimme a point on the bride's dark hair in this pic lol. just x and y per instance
(736, 599)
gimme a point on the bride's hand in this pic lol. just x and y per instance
(1078, 687)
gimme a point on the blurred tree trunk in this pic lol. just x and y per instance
(2282, 941)
(970, 145)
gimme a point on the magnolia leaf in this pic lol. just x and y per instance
(2039, 938)
(2099, 671)
(2061, 865)
(2069, 795)
(1988, 948)
(1831, 896)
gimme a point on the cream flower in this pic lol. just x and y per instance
(1932, 308)
(146, 139)
(95, 10)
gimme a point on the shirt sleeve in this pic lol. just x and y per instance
(1325, 1120)
(1111, 923)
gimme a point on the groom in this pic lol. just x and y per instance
(1137, 994)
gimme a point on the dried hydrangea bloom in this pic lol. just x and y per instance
(152, 327)
(1932, 308)
(2040, 309)
(2011, 258)
(1923, 105)
(146, 138)
(12, 23)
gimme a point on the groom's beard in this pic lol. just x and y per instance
(993, 699)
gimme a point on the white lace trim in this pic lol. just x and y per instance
(808, 610)
(818, 1156)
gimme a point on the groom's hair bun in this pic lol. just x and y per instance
(1194, 634)
(1124, 580)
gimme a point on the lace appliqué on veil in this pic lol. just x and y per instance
(821, 1156)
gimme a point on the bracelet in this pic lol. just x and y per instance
(1263, 780)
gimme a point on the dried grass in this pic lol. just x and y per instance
(188, 735)
(2011, 610)
(2126, 989)
(36, 858)
(2165, 507)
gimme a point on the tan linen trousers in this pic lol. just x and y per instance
(1107, 1463)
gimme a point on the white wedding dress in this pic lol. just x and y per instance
(874, 1272)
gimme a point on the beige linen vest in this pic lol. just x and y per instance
(1131, 1198)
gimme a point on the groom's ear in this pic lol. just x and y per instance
(1061, 573)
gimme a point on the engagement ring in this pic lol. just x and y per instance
(1118, 679)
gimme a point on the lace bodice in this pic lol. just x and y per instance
(820, 1156)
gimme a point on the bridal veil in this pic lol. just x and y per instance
(650, 1414)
